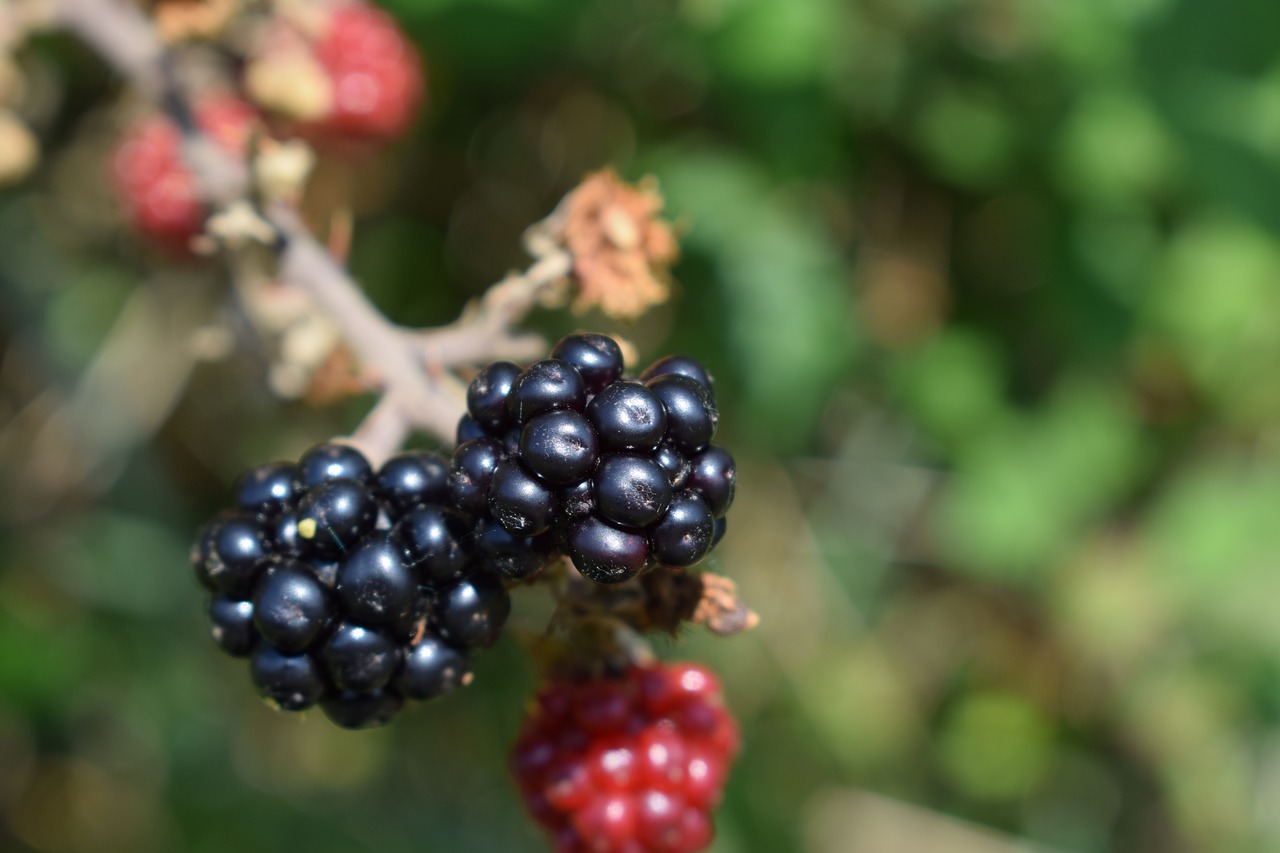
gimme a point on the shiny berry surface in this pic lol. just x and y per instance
(432, 668)
(291, 682)
(691, 412)
(487, 395)
(678, 365)
(291, 608)
(355, 710)
(683, 535)
(267, 489)
(436, 542)
(238, 550)
(714, 475)
(359, 658)
(598, 358)
(412, 479)
(231, 625)
(545, 386)
(628, 416)
(375, 584)
(560, 447)
(473, 611)
(332, 461)
(601, 767)
(604, 553)
(471, 473)
(509, 555)
(631, 490)
(334, 516)
(521, 502)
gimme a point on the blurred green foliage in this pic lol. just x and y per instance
(991, 290)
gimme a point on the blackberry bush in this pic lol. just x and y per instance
(348, 588)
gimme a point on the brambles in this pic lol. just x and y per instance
(159, 194)
(348, 588)
(634, 762)
(619, 473)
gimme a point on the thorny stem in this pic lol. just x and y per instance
(414, 366)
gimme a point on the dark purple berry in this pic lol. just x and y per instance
(231, 625)
(332, 462)
(544, 386)
(282, 535)
(597, 357)
(436, 543)
(722, 526)
(691, 411)
(352, 710)
(471, 473)
(511, 440)
(326, 571)
(675, 463)
(511, 556)
(267, 489)
(520, 502)
(375, 585)
(334, 516)
(488, 392)
(574, 502)
(631, 490)
(682, 537)
(679, 365)
(432, 668)
(468, 429)
(292, 682)
(560, 447)
(359, 658)
(715, 477)
(604, 553)
(291, 608)
(473, 611)
(202, 551)
(628, 416)
(237, 553)
(412, 479)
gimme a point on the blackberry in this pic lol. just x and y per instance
(560, 447)
(468, 429)
(334, 516)
(674, 463)
(471, 473)
(375, 584)
(691, 411)
(678, 365)
(282, 533)
(544, 386)
(598, 359)
(237, 551)
(431, 668)
(267, 489)
(231, 625)
(359, 658)
(473, 611)
(332, 462)
(353, 710)
(509, 555)
(292, 682)
(714, 476)
(412, 479)
(487, 395)
(604, 553)
(436, 544)
(631, 490)
(574, 502)
(291, 608)
(684, 534)
(628, 416)
(520, 501)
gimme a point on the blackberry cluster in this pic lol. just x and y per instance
(635, 763)
(567, 453)
(348, 588)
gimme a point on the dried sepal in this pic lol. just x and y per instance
(622, 250)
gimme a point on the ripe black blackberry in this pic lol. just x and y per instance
(620, 472)
(352, 589)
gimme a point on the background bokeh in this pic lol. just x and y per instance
(991, 292)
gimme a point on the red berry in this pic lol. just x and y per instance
(627, 765)
(159, 194)
(375, 74)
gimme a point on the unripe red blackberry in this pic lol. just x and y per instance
(634, 762)
(158, 193)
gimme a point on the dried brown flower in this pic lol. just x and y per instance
(621, 249)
